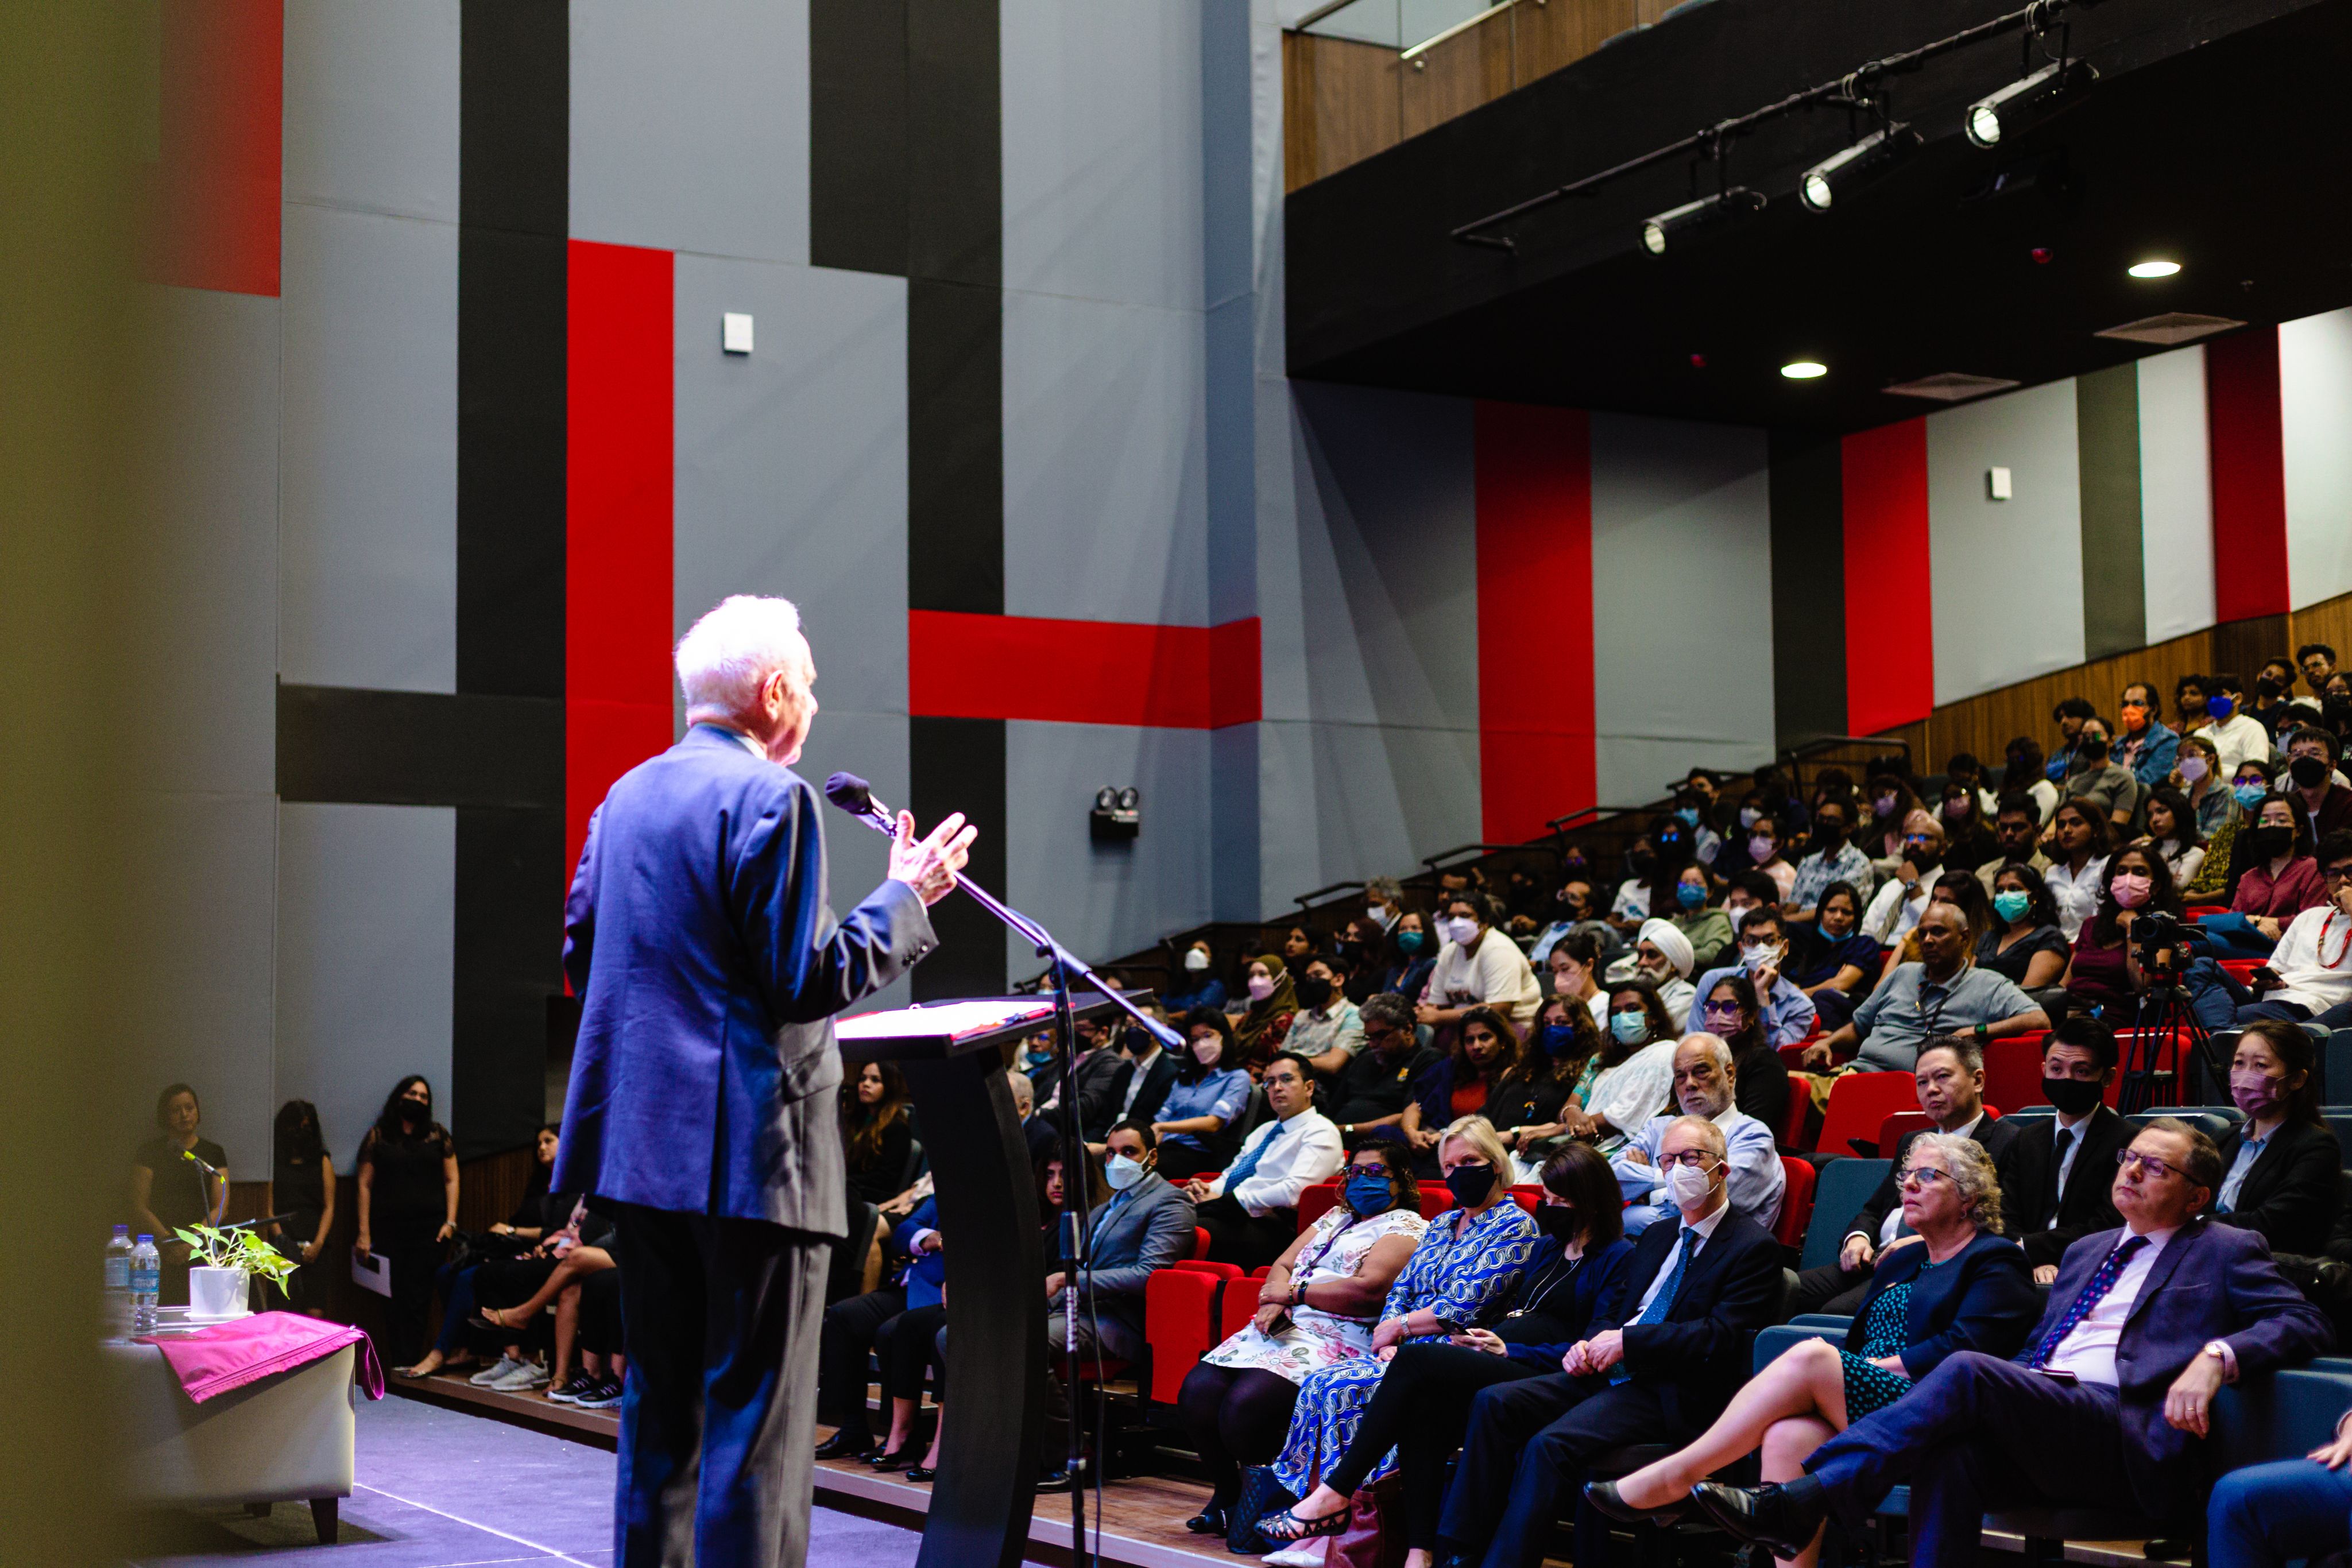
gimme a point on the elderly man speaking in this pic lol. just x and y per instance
(700, 1112)
(1703, 1089)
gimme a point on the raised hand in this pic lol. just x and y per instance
(928, 865)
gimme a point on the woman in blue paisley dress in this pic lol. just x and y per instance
(1460, 1275)
(1954, 1284)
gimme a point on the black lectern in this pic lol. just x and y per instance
(953, 1056)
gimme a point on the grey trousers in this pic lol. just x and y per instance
(718, 1425)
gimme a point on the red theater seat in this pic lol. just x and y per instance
(1796, 1120)
(1180, 1320)
(1796, 1201)
(1859, 1102)
(1315, 1201)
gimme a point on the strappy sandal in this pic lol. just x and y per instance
(1286, 1528)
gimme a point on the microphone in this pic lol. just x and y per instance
(855, 796)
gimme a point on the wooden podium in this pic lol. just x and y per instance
(951, 1054)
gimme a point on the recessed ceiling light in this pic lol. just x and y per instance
(2154, 268)
(1804, 369)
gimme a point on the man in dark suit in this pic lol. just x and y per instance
(2108, 1402)
(1101, 1076)
(2057, 1180)
(1657, 1366)
(708, 960)
(1950, 1077)
(1151, 1073)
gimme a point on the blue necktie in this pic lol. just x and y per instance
(2094, 1291)
(1247, 1166)
(1663, 1301)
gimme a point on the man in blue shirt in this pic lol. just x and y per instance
(2146, 745)
(1703, 1088)
(1789, 1013)
(1944, 993)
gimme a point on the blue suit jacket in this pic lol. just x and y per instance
(924, 1277)
(709, 963)
(1982, 1299)
(2211, 1281)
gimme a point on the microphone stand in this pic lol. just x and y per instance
(1061, 967)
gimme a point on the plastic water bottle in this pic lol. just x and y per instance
(118, 1286)
(146, 1282)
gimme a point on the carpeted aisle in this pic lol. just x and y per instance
(439, 1489)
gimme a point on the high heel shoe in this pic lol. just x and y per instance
(1605, 1496)
(920, 1473)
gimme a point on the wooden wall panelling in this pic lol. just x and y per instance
(2328, 621)
(1469, 69)
(2241, 646)
(1340, 105)
(1556, 33)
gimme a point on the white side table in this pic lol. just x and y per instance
(287, 1437)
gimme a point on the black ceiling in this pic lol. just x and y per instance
(2210, 140)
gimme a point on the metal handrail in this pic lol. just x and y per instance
(1463, 25)
(1820, 743)
(1306, 900)
(1318, 14)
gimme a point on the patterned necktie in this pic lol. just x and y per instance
(2094, 1291)
(1663, 1301)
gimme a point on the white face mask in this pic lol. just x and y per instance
(1260, 988)
(1195, 960)
(1747, 815)
(1763, 956)
(1386, 914)
(2192, 769)
(1460, 930)
(1122, 1173)
(1690, 1188)
(1207, 1048)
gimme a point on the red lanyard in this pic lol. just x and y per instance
(2325, 927)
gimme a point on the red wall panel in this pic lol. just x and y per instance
(1081, 672)
(617, 610)
(1535, 572)
(213, 200)
(1890, 649)
(2245, 434)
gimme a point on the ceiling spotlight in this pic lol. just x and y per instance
(2153, 268)
(1870, 156)
(2036, 97)
(1804, 369)
(1737, 201)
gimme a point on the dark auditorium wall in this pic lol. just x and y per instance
(457, 455)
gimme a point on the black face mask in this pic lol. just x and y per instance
(2071, 1096)
(410, 1111)
(1556, 1222)
(1827, 837)
(2092, 752)
(2308, 772)
(2267, 689)
(1313, 992)
(1470, 1183)
(2269, 844)
(1642, 861)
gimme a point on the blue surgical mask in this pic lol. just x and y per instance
(2010, 903)
(1689, 814)
(1631, 1028)
(2220, 707)
(1122, 1172)
(2251, 795)
(1689, 894)
(1559, 1038)
(1369, 1195)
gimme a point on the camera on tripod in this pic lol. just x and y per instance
(2160, 942)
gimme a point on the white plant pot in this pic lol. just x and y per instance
(216, 1292)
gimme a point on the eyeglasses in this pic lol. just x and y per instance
(1381, 1171)
(2148, 1165)
(1722, 1011)
(1923, 1177)
(2339, 872)
(1696, 1159)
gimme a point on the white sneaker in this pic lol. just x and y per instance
(504, 1367)
(528, 1375)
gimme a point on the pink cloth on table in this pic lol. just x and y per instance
(229, 1356)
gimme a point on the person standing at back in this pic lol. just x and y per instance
(700, 1111)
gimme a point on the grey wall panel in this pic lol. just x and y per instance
(792, 461)
(196, 964)
(2008, 575)
(1105, 900)
(874, 747)
(1345, 801)
(1102, 150)
(366, 900)
(371, 105)
(1682, 600)
(208, 594)
(1106, 493)
(691, 125)
(368, 465)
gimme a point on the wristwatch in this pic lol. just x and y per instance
(2221, 1351)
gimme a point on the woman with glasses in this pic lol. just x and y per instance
(1953, 1284)
(1465, 1082)
(1732, 1012)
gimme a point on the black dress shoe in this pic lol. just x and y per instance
(1781, 1515)
(1056, 1480)
(1605, 1496)
(921, 1472)
(896, 1459)
(1215, 1519)
(841, 1446)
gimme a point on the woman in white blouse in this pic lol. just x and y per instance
(1478, 968)
(1630, 1077)
(2078, 864)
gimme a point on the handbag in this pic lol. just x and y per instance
(1366, 1544)
(1261, 1495)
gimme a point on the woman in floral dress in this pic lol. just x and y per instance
(1460, 1275)
(1316, 1307)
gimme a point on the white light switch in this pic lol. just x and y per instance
(735, 338)
(1996, 479)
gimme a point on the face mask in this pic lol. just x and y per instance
(1642, 862)
(1827, 837)
(1470, 1183)
(1747, 815)
(2090, 753)
(1955, 807)
(1763, 956)
(1313, 992)
(1559, 1038)
(1688, 815)
(1672, 843)
(1369, 1195)
(2129, 889)
(2266, 688)
(410, 1111)
(1761, 849)
(1631, 1029)
(1690, 896)
(1690, 1188)
(1260, 988)
(2256, 1093)
(1387, 914)
(2308, 772)
(2134, 716)
(1408, 941)
(2250, 795)
(1039, 1057)
(1207, 1048)
(1460, 931)
(2012, 903)
(1556, 1222)
(2269, 844)
(2192, 769)
(1122, 1173)
(1196, 961)
(2220, 707)
(1568, 980)
(2071, 1095)
(1886, 804)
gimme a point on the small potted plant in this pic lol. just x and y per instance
(219, 1264)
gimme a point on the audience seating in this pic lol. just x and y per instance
(2013, 1072)
(1891, 1131)
(1201, 1243)
(1859, 1102)
(2339, 1121)
(2336, 1067)
(1796, 1201)
(1796, 1118)
(1180, 1320)
(1840, 1188)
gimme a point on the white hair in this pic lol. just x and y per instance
(724, 657)
(1715, 1045)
